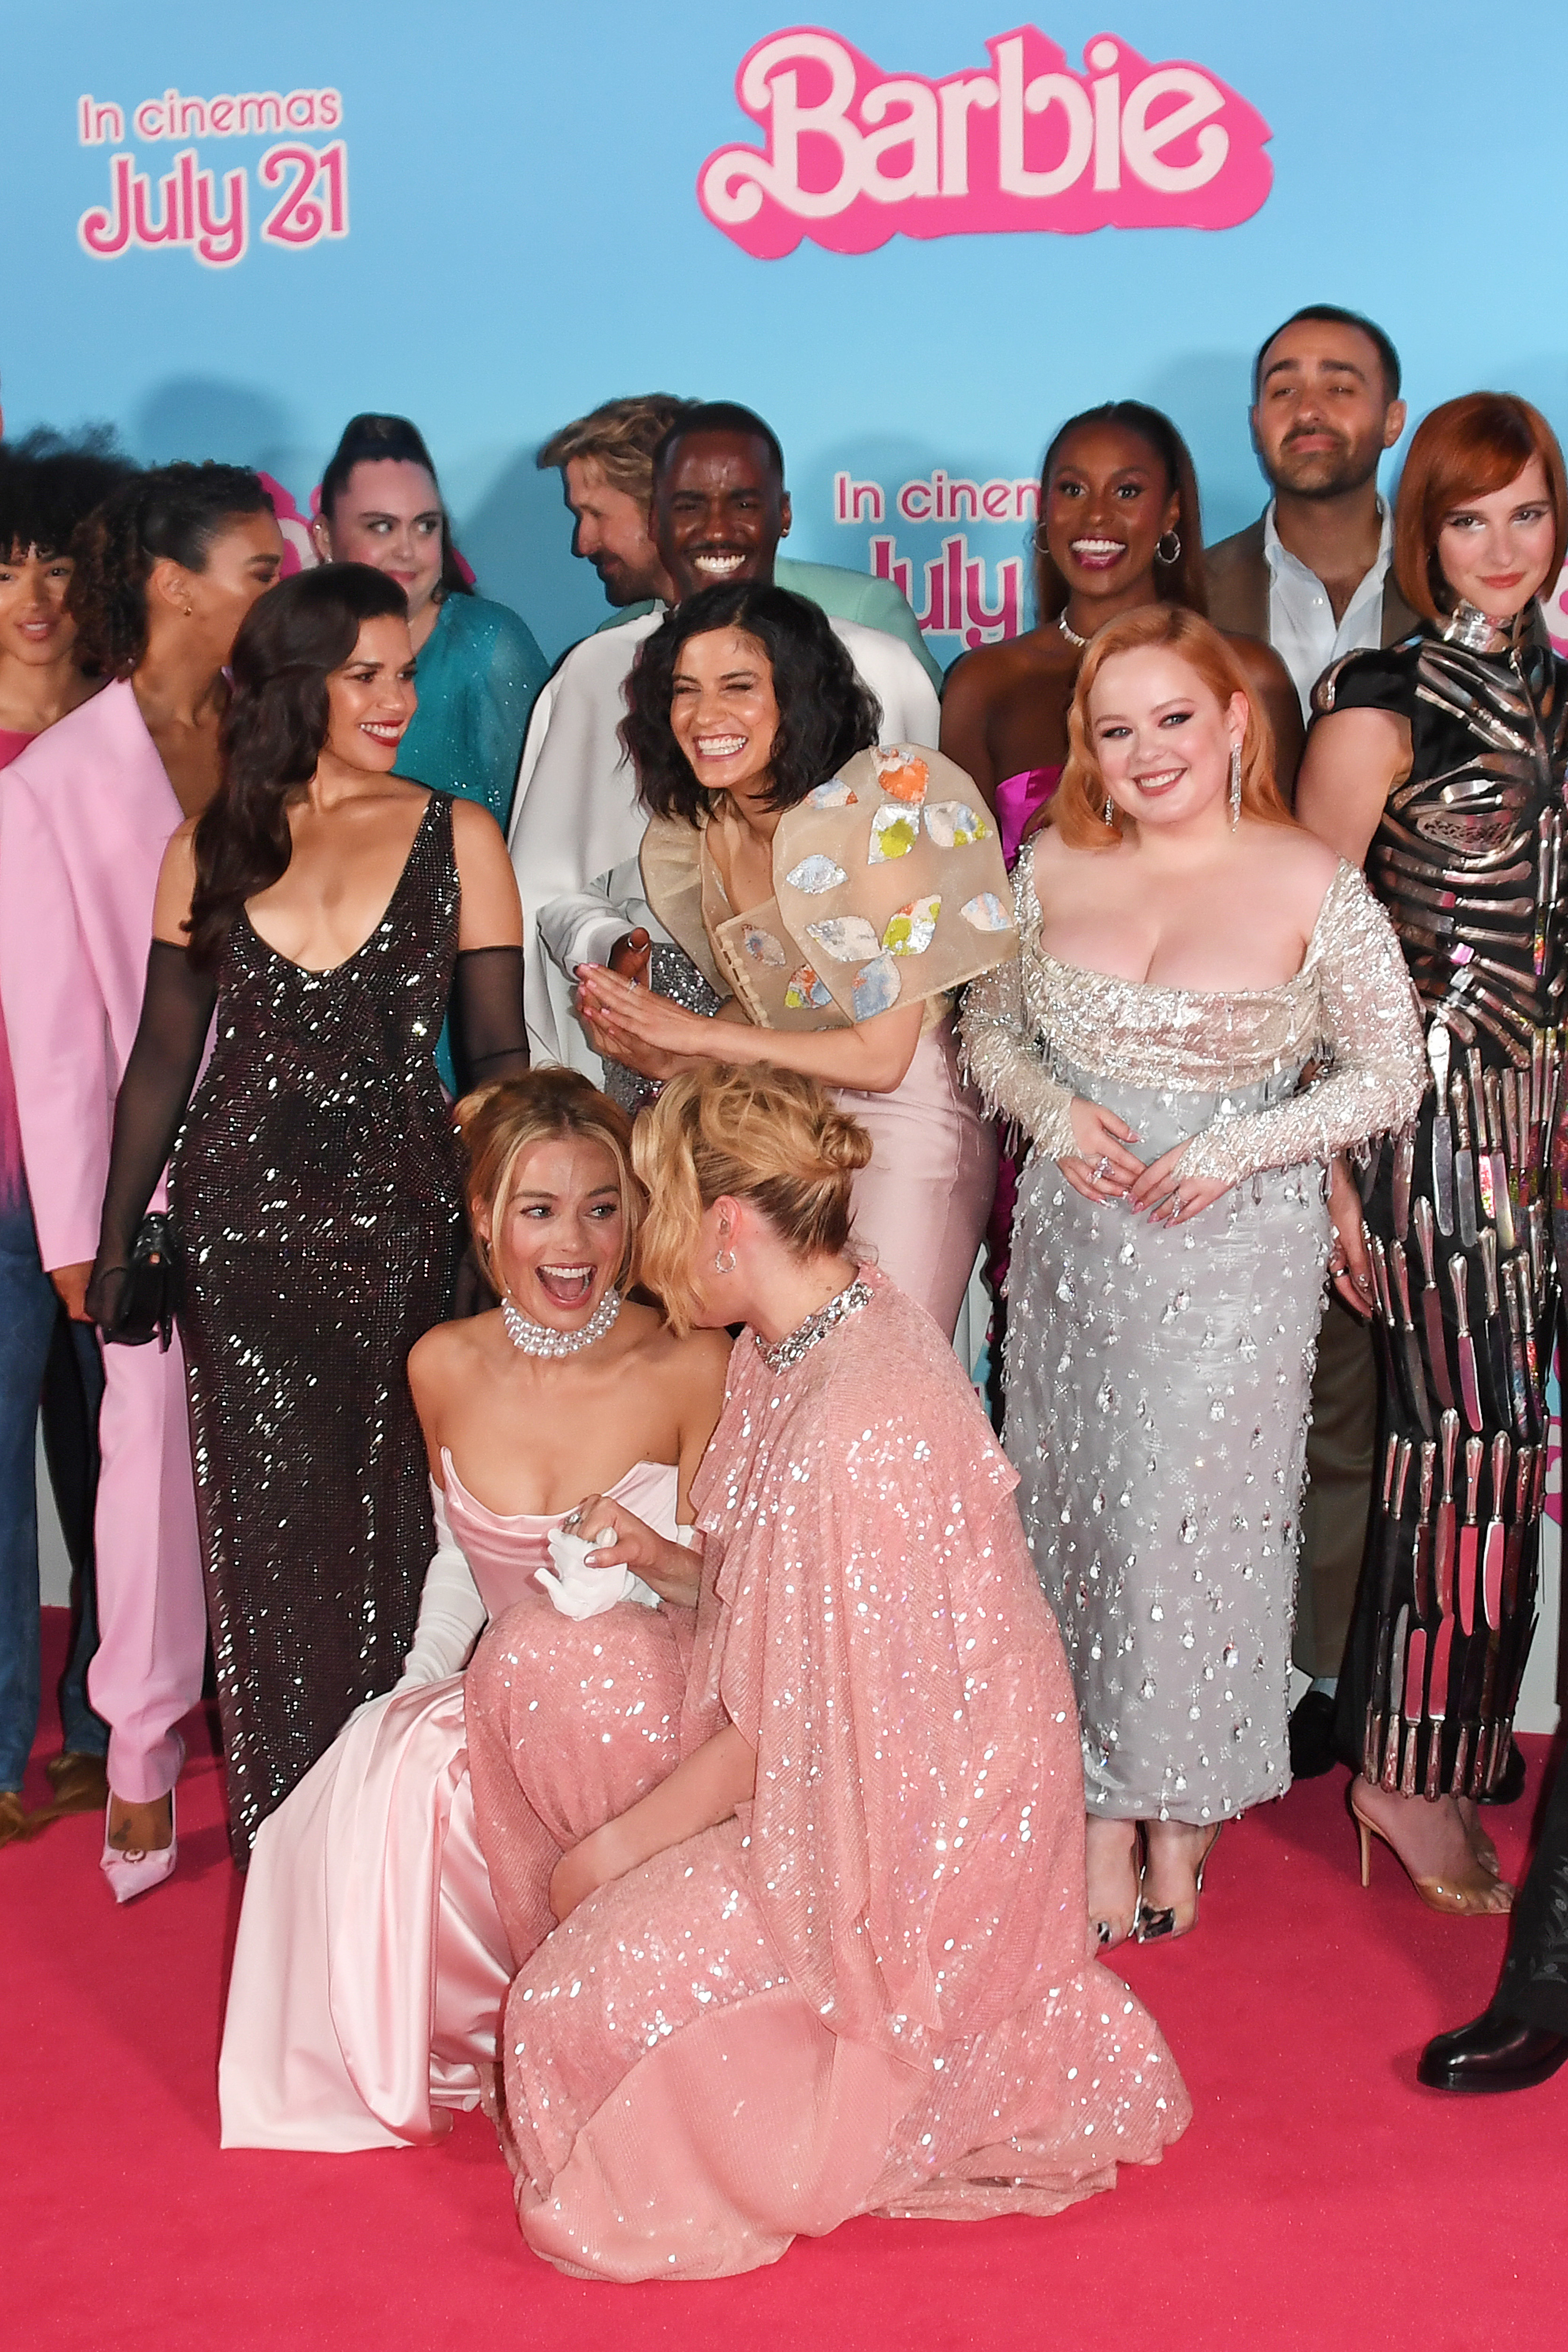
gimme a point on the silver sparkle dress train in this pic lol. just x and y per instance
(1157, 1378)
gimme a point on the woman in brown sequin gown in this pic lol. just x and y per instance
(1441, 762)
(322, 907)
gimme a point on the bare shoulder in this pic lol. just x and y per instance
(1262, 663)
(447, 1354)
(474, 828)
(1293, 862)
(699, 1357)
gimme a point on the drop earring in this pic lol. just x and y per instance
(1235, 786)
(1109, 810)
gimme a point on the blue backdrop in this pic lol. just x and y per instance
(486, 216)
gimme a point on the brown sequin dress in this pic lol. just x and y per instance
(1468, 859)
(317, 1187)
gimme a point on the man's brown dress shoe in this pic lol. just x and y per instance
(80, 1783)
(14, 1823)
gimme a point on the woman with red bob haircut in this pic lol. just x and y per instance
(1441, 763)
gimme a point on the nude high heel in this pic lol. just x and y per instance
(130, 1872)
(1482, 1897)
(1166, 1925)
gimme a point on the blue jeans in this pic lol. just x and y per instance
(43, 1357)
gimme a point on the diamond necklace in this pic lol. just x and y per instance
(805, 1336)
(539, 1339)
(1069, 632)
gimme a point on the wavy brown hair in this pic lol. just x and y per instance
(826, 714)
(1077, 808)
(761, 1134)
(272, 734)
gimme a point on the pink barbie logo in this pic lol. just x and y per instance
(855, 155)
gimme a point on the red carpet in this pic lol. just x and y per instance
(1319, 2199)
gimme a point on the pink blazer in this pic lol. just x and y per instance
(85, 814)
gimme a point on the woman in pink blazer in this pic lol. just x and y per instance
(172, 563)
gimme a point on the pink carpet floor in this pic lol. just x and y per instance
(1320, 2199)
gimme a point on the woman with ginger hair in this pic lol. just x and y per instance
(1440, 762)
(1187, 952)
(374, 1958)
(853, 1916)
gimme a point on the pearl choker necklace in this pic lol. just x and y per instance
(539, 1339)
(805, 1336)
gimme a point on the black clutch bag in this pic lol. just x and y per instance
(150, 1287)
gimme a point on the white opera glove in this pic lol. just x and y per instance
(451, 1614)
(579, 1588)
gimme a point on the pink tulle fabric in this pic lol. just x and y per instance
(868, 1993)
(371, 1964)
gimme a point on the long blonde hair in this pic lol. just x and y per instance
(1077, 808)
(501, 1123)
(759, 1134)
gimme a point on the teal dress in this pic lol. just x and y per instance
(478, 673)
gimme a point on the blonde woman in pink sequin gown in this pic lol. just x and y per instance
(835, 1963)
(374, 1958)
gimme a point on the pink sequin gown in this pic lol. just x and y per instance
(371, 1964)
(868, 1994)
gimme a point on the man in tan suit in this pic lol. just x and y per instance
(1312, 577)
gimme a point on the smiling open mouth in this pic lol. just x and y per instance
(565, 1285)
(1161, 783)
(383, 731)
(1096, 554)
(718, 563)
(719, 747)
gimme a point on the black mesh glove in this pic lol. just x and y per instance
(489, 1040)
(176, 1012)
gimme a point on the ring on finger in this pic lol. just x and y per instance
(1101, 1169)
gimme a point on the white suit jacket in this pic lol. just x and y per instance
(577, 825)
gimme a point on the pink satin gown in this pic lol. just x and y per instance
(867, 1992)
(372, 1962)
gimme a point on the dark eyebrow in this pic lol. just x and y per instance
(1339, 367)
(383, 514)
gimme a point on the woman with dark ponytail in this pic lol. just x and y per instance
(478, 665)
(166, 568)
(322, 907)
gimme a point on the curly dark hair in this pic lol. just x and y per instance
(1183, 582)
(49, 484)
(171, 513)
(369, 439)
(826, 714)
(272, 734)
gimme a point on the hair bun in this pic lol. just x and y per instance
(844, 1144)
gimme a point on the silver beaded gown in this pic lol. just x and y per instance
(1157, 1377)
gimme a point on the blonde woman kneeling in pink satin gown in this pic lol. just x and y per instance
(373, 1958)
(834, 1963)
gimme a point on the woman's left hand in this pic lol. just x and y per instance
(1349, 1267)
(640, 1018)
(596, 1862)
(668, 1568)
(1170, 1198)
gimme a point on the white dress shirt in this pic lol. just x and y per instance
(1302, 625)
(577, 827)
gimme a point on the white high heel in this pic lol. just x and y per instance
(130, 1871)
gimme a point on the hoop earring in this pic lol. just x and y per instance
(725, 1261)
(1171, 554)
(1109, 811)
(1235, 786)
